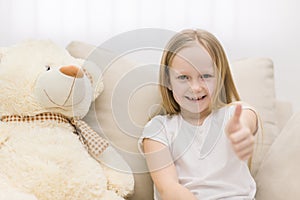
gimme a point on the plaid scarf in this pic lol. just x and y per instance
(92, 141)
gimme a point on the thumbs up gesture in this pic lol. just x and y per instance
(239, 130)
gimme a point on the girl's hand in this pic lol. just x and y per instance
(240, 133)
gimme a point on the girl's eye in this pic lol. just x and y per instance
(182, 77)
(204, 76)
(47, 67)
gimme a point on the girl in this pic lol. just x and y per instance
(199, 147)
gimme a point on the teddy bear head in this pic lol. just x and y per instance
(38, 76)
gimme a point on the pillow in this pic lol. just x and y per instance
(278, 177)
(120, 113)
(254, 78)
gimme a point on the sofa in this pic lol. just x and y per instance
(131, 96)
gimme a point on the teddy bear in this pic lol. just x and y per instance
(47, 152)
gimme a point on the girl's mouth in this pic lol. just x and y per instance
(196, 98)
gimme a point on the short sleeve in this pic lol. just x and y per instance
(155, 129)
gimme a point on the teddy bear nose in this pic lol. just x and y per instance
(72, 71)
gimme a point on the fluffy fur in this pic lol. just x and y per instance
(46, 160)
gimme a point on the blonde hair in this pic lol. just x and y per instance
(225, 91)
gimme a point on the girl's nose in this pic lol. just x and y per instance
(197, 85)
(72, 71)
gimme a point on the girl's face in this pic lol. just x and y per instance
(192, 79)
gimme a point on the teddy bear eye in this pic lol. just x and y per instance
(47, 67)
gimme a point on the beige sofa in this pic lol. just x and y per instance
(121, 111)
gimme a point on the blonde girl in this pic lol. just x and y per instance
(199, 147)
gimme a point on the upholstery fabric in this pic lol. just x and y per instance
(279, 176)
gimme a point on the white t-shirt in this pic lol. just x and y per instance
(203, 156)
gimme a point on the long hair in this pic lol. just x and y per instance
(225, 91)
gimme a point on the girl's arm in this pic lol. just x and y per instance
(163, 172)
(241, 129)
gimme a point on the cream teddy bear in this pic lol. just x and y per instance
(46, 152)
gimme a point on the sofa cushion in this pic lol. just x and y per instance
(278, 177)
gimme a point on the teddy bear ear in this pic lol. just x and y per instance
(94, 73)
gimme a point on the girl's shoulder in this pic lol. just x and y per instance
(160, 128)
(162, 122)
(163, 119)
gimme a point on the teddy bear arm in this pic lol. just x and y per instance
(120, 182)
(119, 175)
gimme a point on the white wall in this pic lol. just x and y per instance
(247, 28)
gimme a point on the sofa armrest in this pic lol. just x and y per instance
(283, 113)
(278, 177)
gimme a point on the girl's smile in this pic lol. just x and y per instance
(196, 98)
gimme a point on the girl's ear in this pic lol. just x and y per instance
(94, 73)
